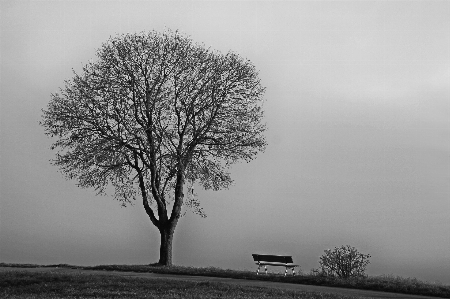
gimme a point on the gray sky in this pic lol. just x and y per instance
(358, 111)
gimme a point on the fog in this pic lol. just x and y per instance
(358, 115)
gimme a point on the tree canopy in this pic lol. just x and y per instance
(154, 114)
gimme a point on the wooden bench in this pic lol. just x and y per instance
(274, 260)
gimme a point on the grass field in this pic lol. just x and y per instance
(113, 286)
(46, 285)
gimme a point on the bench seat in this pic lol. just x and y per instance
(276, 264)
(274, 260)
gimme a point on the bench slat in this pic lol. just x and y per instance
(272, 258)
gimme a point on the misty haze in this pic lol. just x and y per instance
(357, 110)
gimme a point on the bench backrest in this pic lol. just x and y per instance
(272, 258)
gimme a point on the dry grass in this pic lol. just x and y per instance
(39, 285)
(385, 283)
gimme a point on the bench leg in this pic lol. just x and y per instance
(285, 271)
(293, 271)
(257, 271)
(265, 268)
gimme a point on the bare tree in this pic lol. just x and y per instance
(154, 114)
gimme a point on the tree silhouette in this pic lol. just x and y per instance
(154, 114)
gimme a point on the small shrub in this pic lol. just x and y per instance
(344, 262)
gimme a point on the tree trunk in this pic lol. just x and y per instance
(165, 249)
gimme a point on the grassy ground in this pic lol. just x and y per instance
(50, 285)
(378, 283)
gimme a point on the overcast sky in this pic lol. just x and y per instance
(358, 111)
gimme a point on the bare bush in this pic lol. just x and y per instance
(344, 262)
